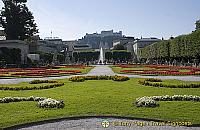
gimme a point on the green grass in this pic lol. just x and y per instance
(119, 69)
(178, 82)
(83, 71)
(184, 70)
(99, 98)
(23, 84)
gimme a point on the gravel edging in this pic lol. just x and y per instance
(31, 124)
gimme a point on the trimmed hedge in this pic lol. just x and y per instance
(43, 102)
(151, 101)
(181, 48)
(148, 82)
(42, 81)
(83, 78)
(56, 84)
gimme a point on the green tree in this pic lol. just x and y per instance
(197, 24)
(119, 47)
(16, 19)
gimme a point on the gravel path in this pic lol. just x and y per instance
(111, 123)
(100, 70)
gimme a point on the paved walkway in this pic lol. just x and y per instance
(111, 123)
(100, 70)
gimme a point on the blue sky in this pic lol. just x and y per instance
(72, 19)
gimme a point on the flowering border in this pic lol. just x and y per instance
(160, 70)
(158, 83)
(54, 85)
(43, 102)
(102, 77)
(151, 101)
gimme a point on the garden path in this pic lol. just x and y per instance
(101, 70)
(96, 124)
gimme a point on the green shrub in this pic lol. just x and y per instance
(151, 101)
(32, 88)
(120, 78)
(42, 81)
(152, 82)
(42, 101)
(83, 78)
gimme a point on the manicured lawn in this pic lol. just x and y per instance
(99, 98)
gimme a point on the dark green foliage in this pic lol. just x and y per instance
(42, 81)
(46, 57)
(86, 56)
(116, 55)
(17, 21)
(53, 84)
(181, 48)
(121, 55)
(10, 56)
(197, 24)
(61, 58)
(119, 47)
(153, 80)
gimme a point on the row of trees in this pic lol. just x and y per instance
(114, 56)
(184, 48)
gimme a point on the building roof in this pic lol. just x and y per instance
(148, 39)
(81, 46)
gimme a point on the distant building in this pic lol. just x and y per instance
(94, 40)
(124, 41)
(79, 47)
(51, 45)
(22, 45)
(141, 43)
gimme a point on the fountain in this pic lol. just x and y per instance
(101, 57)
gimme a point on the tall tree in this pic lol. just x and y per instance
(16, 19)
(198, 24)
(119, 47)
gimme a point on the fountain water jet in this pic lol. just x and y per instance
(101, 57)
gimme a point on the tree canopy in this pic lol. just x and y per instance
(197, 24)
(119, 47)
(16, 19)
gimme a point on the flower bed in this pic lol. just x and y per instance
(71, 66)
(151, 101)
(83, 78)
(43, 102)
(154, 83)
(160, 70)
(42, 81)
(48, 86)
(47, 73)
(39, 72)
